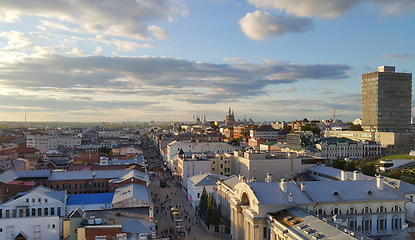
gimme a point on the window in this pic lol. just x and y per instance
(53, 225)
(52, 211)
(99, 184)
(84, 185)
(80, 185)
(198, 195)
(367, 210)
(7, 213)
(39, 200)
(95, 184)
(265, 232)
(1, 213)
(107, 184)
(396, 222)
(320, 211)
(14, 213)
(213, 162)
(33, 212)
(39, 212)
(46, 200)
(27, 212)
(46, 211)
(366, 224)
(27, 200)
(213, 169)
(381, 224)
(336, 211)
(381, 209)
(396, 208)
(59, 211)
(33, 200)
(221, 165)
(352, 224)
(411, 198)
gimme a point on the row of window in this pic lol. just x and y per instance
(99, 184)
(396, 223)
(353, 210)
(34, 212)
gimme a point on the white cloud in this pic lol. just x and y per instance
(159, 32)
(331, 8)
(98, 50)
(76, 52)
(129, 19)
(258, 25)
(121, 45)
(17, 41)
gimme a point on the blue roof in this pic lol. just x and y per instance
(91, 198)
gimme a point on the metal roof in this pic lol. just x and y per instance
(333, 172)
(271, 194)
(343, 191)
(13, 175)
(231, 181)
(137, 226)
(206, 179)
(131, 190)
(42, 190)
(103, 174)
(92, 198)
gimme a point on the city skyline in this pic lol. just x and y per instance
(168, 60)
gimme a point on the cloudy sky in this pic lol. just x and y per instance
(142, 60)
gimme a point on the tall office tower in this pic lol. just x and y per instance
(386, 100)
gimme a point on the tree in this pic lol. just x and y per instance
(395, 173)
(339, 163)
(244, 132)
(213, 211)
(351, 166)
(368, 168)
(203, 204)
(311, 127)
(356, 127)
(104, 150)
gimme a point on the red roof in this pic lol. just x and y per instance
(22, 183)
(8, 151)
(27, 150)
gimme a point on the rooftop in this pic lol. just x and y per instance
(93, 198)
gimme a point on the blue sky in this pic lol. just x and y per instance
(168, 60)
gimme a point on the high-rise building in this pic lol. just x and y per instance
(386, 100)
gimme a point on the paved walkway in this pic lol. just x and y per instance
(176, 197)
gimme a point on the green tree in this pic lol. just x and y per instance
(395, 173)
(356, 127)
(244, 132)
(368, 168)
(203, 204)
(339, 163)
(311, 127)
(350, 166)
(213, 212)
(104, 150)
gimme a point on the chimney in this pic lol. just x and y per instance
(343, 175)
(269, 177)
(253, 179)
(290, 198)
(283, 185)
(356, 175)
(302, 187)
(379, 184)
(240, 177)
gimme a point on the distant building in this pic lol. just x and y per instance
(386, 100)
(196, 184)
(45, 143)
(266, 132)
(230, 118)
(332, 148)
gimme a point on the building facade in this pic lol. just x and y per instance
(386, 100)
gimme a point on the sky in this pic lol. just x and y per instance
(167, 60)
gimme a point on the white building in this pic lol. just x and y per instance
(332, 148)
(45, 143)
(196, 184)
(265, 132)
(36, 214)
(365, 207)
(189, 165)
(257, 164)
(174, 147)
